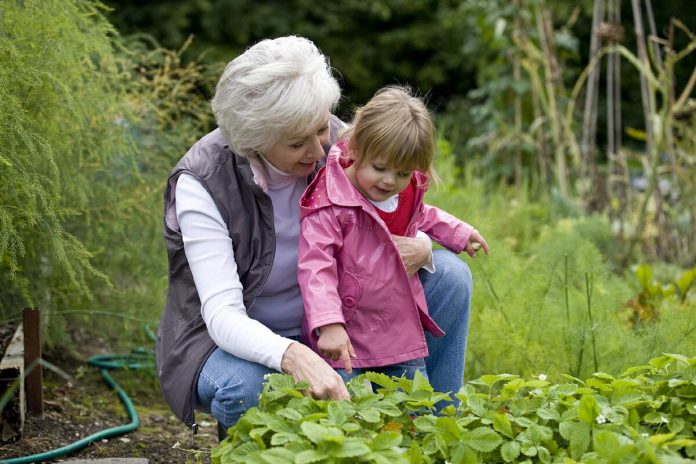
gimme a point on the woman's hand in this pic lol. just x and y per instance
(415, 252)
(334, 343)
(304, 364)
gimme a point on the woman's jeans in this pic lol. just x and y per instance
(228, 385)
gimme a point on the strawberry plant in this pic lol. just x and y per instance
(645, 415)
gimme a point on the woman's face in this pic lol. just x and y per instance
(298, 155)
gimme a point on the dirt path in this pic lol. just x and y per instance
(84, 405)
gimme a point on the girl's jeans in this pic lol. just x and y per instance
(228, 385)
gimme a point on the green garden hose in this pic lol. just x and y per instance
(137, 359)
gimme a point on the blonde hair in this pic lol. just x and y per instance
(395, 126)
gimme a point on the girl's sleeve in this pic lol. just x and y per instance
(444, 228)
(320, 240)
(209, 251)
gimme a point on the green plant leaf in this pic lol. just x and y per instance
(420, 383)
(386, 440)
(350, 448)
(481, 439)
(336, 413)
(320, 434)
(510, 451)
(278, 456)
(281, 438)
(310, 456)
(503, 425)
(549, 413)
(588, 409)
(578, 434)
(370, 415)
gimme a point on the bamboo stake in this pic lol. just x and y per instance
(551, 71)
(589, 124)
(518, 103)
(643, 57)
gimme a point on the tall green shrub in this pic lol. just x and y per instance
(89, 128)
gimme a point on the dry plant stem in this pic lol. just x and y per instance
(589, 123)
(518, 103)
(550, 70)
(589, 286)
(643, 57)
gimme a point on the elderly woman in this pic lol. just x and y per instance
(231, 223)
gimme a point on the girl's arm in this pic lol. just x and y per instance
(320, 239)
(450, 232)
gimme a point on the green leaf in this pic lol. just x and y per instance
(603, 376)
(636, 370)
(386, 440)
(510, 451)
(310, 456)
(481, 439)
(549, 413)
(351, 448)
(388, 409)
(320, 434)
(278, 456)
(351, 427)
(281, 438)
(502, 424)
(336, 413)
(447, 428)
(477, 404)
(370, 415)
(420, 383)
(290, 413)
(425, 423)
(579, 437)
(380, 379)
(661, 438)
(414, 454)
(588, 409)
(490, 380)
(544, 455)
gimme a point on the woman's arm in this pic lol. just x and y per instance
(210, 255)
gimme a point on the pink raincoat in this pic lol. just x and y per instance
(350, 270)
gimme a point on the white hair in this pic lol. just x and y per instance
(277, 88)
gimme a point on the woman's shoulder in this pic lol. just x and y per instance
(208, 153)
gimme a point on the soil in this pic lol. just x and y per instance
(78, 403)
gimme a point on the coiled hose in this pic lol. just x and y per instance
(137, 359)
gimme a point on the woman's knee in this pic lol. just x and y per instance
(228, 386)
(452, 270)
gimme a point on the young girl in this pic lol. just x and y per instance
(362, 309)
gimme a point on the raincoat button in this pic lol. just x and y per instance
(349, 301)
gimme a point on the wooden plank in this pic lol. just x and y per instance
(11, 376)
(32, 357)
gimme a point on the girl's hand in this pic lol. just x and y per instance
(334, 343)
(415, 252)
(476, 242)
(304, 364)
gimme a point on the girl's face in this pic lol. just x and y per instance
(298, 155)
(377, 180)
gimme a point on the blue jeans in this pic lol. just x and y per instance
(406, 369)
(228, 385)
